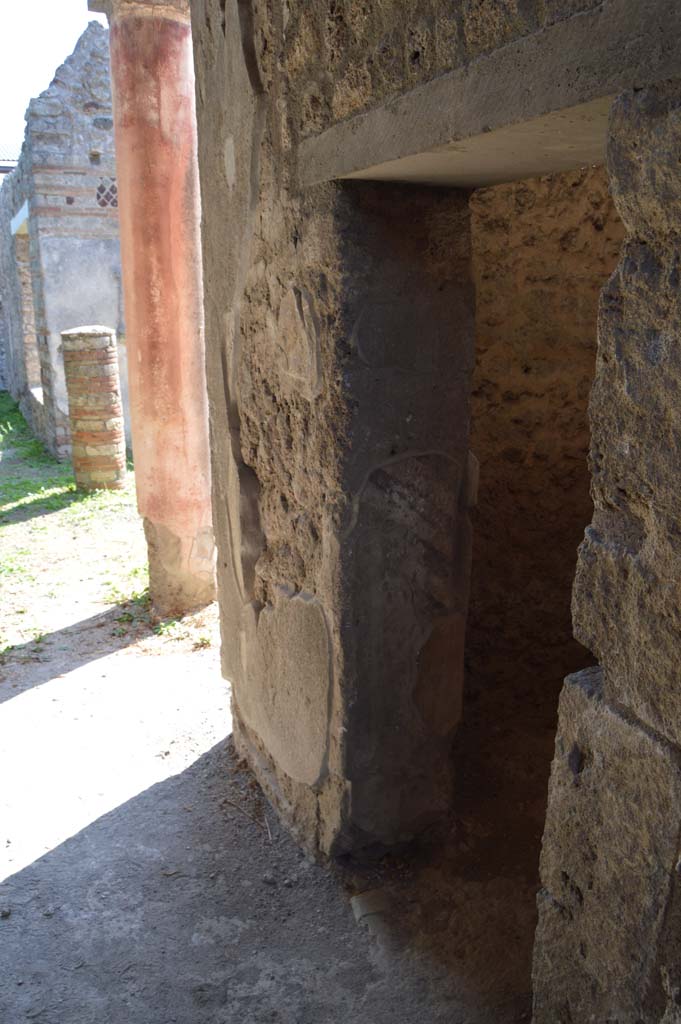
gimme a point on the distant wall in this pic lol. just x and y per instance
(542, 251)
(66, 176)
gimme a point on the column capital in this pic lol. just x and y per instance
(175, 9)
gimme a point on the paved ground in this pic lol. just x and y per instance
(143, 878)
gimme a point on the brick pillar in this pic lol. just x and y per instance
(608, 945)
(95, 408)
(155, 132)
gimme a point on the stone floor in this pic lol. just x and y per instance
(144, 879)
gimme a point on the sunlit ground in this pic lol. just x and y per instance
(97, 700)
(76, 747)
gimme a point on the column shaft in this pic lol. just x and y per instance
(155, 131)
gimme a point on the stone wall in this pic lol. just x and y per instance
(340, 361)
(607, 944)
(542, 250)
(339, 393)
(66, 176)
(339, 353)
(12, 197)
(4, 345)
(344, 56)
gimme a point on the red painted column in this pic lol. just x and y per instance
(155, 132)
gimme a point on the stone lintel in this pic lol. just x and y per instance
(536, 106)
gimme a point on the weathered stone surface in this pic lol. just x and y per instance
(608, 944)
(628, 588)
(346, 56)
(286, 657)
(516, 103)
(542, 250)
(181, 569)
(339, 361)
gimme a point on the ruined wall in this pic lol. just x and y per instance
(607, 945)
(542, 250)
(344, 56)
(66, 175)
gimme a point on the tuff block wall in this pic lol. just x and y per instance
(64, 192)
(607, 944)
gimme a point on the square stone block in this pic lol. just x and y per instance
(608, 943)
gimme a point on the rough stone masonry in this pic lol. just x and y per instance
(608, 944)
(339, 319)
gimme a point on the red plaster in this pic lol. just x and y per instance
(155, 130)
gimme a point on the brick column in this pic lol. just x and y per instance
(155, 133)
(95, 409)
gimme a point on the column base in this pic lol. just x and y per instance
(181, 569)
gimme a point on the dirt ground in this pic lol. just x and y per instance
(144, 879)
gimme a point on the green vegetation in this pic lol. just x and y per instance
(71, 557)
(55, 539)
(30, 476)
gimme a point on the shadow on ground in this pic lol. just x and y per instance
(189, 905)
(35, 662)
(41, 505)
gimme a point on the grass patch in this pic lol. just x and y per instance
(15, 434)
(30, 476)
